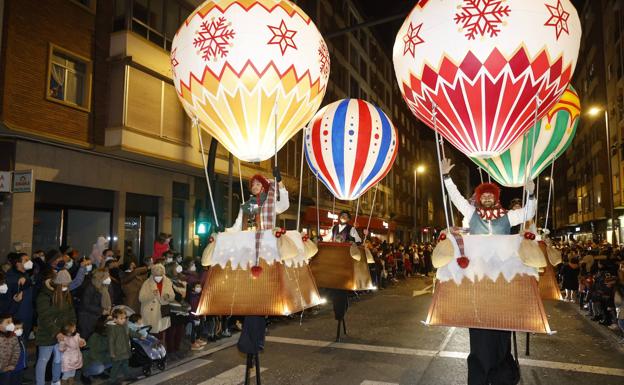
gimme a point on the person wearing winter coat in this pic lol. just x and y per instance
(96, 359)
(21, 288)
(8, 305)
(18, 373)
(95, 302)
(9, 348)
(131, 281)
(70, 345)
(54, 309)
(570, 273)
(156, 292)
(119, 345)
(175, 333)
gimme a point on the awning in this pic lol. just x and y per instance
(376, 224)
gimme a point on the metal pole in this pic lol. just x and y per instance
(415, 205)
(613, 233)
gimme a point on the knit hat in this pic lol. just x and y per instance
(62, 278)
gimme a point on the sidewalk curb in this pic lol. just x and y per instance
(603, 330)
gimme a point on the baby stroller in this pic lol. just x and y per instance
(146, 353)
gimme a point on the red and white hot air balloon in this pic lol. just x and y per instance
(486, 65)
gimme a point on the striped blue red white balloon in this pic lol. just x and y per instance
(350, 145)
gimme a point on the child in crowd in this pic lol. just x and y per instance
(136, 327)
(18, 373)
(72, 357)
(9, 348)
(119, 346)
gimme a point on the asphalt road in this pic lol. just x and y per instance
(387, 344)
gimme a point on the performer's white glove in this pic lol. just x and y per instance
(446, 166)
(530, 186)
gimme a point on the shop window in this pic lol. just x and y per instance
(69, 78)
(84, 227)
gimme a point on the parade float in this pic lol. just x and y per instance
(251, 74)
(509, 64)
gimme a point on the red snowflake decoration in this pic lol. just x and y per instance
(283, 37)
(214, 38)
(174, 61)
(324, 58)
(558, 18)
(411, 39)
(481, 17)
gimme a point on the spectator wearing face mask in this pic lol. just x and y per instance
(95, 302)
(21, 288)
(114, 289)
(197, 322)
(156, 292)
(161, 245)
(178, 321)
(7, 304)
(18, 373)
(9, 349)
(55, 309)
(132, 279)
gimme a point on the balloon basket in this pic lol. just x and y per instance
(278, 291)
(548, 285)
(487, 304)
(335, 268)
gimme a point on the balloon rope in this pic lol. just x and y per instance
(480, 174)
(370, 216)
(435, 129)
(276, 190)
(333, 209)
(300, 179)
(357, 209)
(240, 179)
(318, 215)
(449, 197)
(527, 175)
(201, 147)
(550, 188)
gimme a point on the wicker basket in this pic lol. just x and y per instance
(335, 268)
(279, 290)
(485, 304)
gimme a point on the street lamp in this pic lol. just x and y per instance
(418, 170)
(595, 111)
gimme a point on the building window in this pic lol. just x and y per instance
(69, 78)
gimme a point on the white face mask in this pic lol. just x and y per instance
(168, 260)
(64, 288)
(19, 332)
(198, 290)
(28, 265)
(69, 264)
(89, 268)
(106, 281)
(9, 328)
(178, 269)
(4, 288)
(158, 278)
(192, 268)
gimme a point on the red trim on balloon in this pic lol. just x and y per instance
(364, 131)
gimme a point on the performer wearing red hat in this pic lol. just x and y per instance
(490, 360)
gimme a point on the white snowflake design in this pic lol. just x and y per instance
(213, 38)
(481, 17)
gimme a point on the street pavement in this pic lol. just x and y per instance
(387, 344)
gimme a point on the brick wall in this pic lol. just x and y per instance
(30, 27)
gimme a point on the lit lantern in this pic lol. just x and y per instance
(488, 67)
(553, 135)
(351, 145)
(247, 68)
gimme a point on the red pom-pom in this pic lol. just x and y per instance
(442, 237)
(256, 271)
(532, 236)
(305, 238)
(463, 262)
(283, 231)
(211, 239)
(529, 235)
(278, 234)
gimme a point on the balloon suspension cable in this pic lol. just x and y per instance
(450, 204)
(357, 205)
(240, 180)
(195, 121)
(480, 174)
(435, 129)
(277, 194)
(370, 216)
(333, 210)
(318, 214)
(551, 186)
(531, 162)
(301, 179)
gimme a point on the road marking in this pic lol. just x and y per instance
(449, 334)
(234, 376)
(367, 382)
(426, 290)
(445, 354)
(172, 373)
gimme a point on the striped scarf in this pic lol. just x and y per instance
(267, 218)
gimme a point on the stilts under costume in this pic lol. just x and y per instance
(490, 360)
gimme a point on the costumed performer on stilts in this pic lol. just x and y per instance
(490, 360)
